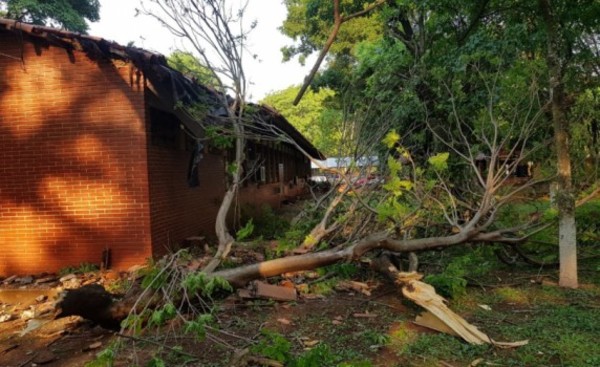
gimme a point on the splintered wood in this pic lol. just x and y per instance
(439, 317)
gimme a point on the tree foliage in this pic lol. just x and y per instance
(439, 70)
(309, 21)
(69, 14)
(190, 66)
(317, 117)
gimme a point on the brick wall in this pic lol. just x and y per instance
(73, 174)
(178, 210)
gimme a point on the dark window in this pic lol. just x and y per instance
(165, 130)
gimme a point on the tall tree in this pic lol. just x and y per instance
(438, 46)
(190, 66)
(216, 34)
(565, 24)
(317, 117)
(68, 14)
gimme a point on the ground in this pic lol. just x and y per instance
(337, 323)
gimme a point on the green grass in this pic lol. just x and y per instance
(562, 326)
(81, 269)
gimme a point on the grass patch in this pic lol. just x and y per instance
(512, 295)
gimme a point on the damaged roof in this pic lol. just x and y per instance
(181, 89)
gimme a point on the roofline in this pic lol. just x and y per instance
(151, 63)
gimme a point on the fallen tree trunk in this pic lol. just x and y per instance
(94, 303)
(241, 275)
(110, 312)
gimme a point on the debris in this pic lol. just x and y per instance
(195, 264)
(47, 279)
(485, 307)
(32, 324)
(428, 320)
(309, 296)
(41, 298)
(303, 288)
(92, 346)
(10, 279)
(73, 283)
(311, 274)
(284, 321)
(67, 277)
(476, 362)
(24, 280)
(9, 348)
(28, 314)
(310, 343)
(338, 320)
(5, 318)
(111, 275)
(43, 357)
(268, 291)
(275, 292)
(364, 315)
(245, 293)
(287, 283)
(45, 308)
(355, 286)
(136, 268)
(425, 296)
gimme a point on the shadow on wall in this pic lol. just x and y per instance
(74, 175)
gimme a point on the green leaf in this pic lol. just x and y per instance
(391, 139)
(396, 186)
(394, 165)
(246, 231)
(156, 362)
(439, 161)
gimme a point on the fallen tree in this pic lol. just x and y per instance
(414, 196)
(422, 205)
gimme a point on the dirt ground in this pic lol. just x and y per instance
(371, 323)
(72, 341)
(29, 333)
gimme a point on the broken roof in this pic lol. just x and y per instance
(181, 89)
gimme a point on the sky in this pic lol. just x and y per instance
(266, 74)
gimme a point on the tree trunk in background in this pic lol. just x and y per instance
(565, 199)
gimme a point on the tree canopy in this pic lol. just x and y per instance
(69, 14)
(316, 117)
(428, 68)
(190, 66)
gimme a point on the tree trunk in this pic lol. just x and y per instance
(565, 199)
(225, 238)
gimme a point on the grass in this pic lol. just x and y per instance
(562, 326)
(81, 269)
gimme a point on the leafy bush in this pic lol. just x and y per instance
(246, 231)
(319, 356)
(273, 345)
(452, 282)
(81, 269)
(265, 222)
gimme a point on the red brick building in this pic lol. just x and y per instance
(94, 156)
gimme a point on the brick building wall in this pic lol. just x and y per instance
(80, 171)
(73, 173)
(179, 211)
